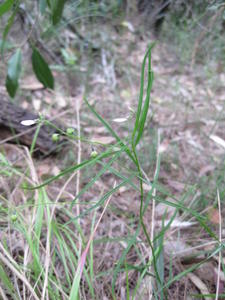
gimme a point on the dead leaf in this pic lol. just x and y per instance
(25, 105)
(206, 169)
(201, 286)
(222, 276)
(178, 186)
(182, 224)
(126, 94)
(123, 189)
(158, 100)
(120, 120)
(128, 25)
(36, 104)
(94, 129)
(164, 211)
(48, 99)
(213, 215)
(55, 170)
(43, 169)
(177, 248)
(103, 140)
(31, 83)
(206, 271)
(147, 187)
(210, 92)
(164, 146)
(176, 223)
(218, 140)
(60, 100)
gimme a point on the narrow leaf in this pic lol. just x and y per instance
(57, 11)
(109, 128)
(42, 6)
(14, 69)
(141, 95)
(42, 70)
(145, 108)
(71, 169)
(8, 26)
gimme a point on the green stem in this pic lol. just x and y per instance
(142, 214)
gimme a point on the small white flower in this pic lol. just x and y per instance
(29, 122)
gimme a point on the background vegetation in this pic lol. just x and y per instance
(131, 204)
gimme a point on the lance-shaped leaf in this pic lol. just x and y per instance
(42, 70)
(57, 11)
(56, 7)
(5, 7)
(13, 74)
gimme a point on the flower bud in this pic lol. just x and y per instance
(55, 137)
(14, 217)
(94, 154)
(70, 131)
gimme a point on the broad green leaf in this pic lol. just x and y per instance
(14, 69)
(5, 7)
(42, 70)
(14, 65)
(11, 87)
